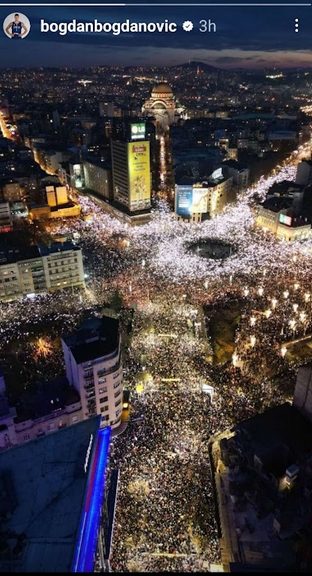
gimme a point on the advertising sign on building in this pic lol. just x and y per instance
(184, 200)
(139, 175)
(138, 131)
(285, 219)
(200, 200)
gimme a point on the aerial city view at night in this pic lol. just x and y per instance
(156, 288)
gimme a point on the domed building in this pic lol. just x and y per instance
(162, 105)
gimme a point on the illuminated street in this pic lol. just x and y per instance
(181, 392)
(156, 288)
(163, 455)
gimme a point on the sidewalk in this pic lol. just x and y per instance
(120, 429)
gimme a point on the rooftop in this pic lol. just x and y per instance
(17, 251)
(234, 164)
(57, 247)
(49, 397)
(95, 338)
(269, 432)
(277, 203)
(44, 486)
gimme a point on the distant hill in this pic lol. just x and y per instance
(193, 65)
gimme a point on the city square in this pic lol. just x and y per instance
(155, 289)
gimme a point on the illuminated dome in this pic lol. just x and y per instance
(162, 89)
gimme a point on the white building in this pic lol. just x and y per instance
(92, 357)
(36, 270)
(281, 224)
(63, 266)
(202, 200)
(163, 106)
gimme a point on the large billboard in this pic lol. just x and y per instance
(200, 200)
(76, 174)
(139, 175)
(191, 200)
(184, 200)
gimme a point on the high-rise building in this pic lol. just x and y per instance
(132, 169)
(92, 357)
(51, 197)
(97, 178)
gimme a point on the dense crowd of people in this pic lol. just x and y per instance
(166, 512)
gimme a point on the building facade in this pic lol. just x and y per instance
(49, 410)
(132, 170)
(202, 200)
(5, 217)
(40, 269)
(98, 179)
(92, 357)
(283, 226)
(163, 106)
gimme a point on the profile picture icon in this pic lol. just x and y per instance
(16, 26)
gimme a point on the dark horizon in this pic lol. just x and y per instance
(246, 38)
(77, 68)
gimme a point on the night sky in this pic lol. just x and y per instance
(255, 37)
